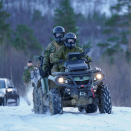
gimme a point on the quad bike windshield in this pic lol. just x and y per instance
(78, 64)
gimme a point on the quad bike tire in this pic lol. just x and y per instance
(42, 107)
(55, 102)
(35, 100)
(105, 105)
(91, 108)
(81, 109)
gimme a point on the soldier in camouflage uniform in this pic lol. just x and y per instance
(26, 74)
(26, 78)
(58, 34)
(62, 53)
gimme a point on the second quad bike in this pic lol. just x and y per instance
(79, 86)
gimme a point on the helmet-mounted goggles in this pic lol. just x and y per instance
(59, 35)
(70, 41)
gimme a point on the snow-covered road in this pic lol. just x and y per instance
(21, 118)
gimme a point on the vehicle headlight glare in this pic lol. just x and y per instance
(98, 76)
(60, 80)
(9, 90)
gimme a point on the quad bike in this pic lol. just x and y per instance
(79, 86)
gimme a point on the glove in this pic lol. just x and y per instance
(89, 59)
(56, 60)
(74, 58)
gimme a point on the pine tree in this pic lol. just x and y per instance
(37, 16)
(38, 25)
(25, 40)
(118, 28)
(64, 16)
(4, 27)
(5, 42)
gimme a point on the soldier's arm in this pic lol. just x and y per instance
(26, 76)
(46, 60)
(46, 57)
(57, 55)
(80, 50)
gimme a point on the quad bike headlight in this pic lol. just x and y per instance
(66, 81)
(60, 80)
(98, 76)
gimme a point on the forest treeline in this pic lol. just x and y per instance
(25, 32)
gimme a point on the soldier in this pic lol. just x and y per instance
(58, 34)
(27, 79)
(26, 74)
(70, 46)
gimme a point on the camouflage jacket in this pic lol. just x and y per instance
(62, 53)
(49, 51)
(26, 75)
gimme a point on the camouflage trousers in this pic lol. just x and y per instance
(56, 68)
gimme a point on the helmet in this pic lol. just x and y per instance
(70, 40)
(59, 33)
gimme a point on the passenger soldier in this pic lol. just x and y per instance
(62, 53)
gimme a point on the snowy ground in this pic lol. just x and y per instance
(21, 118)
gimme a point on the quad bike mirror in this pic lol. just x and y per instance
(87, 50)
